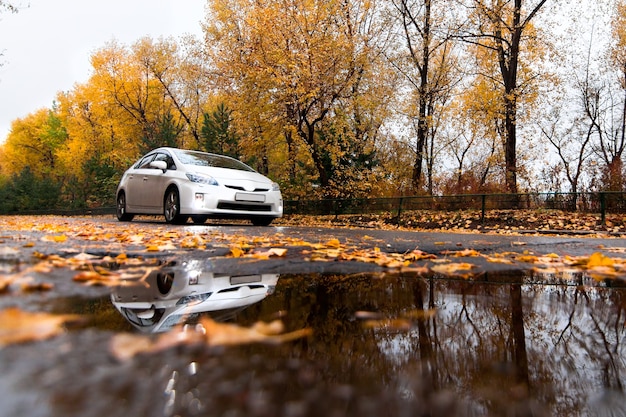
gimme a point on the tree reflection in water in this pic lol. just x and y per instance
(396, 344)
(509, 343)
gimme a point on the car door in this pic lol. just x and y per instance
(135, 193)
(155, 182)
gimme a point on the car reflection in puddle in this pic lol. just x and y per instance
(180, 293)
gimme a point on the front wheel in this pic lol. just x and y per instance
(165, 281)
(120, 210)
(171, 207)
(261, 221)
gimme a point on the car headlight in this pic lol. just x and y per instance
(201, 178)
(275, 187)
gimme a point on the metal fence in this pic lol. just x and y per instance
(599, 202)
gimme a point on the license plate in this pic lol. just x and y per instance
(244, 279)
(257, 198)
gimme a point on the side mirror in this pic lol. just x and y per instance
(162, 165)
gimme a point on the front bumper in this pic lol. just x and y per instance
(209, 200)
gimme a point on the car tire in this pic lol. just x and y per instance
(261, 221)
(165, 281)
(171, 207)
(199, 219)
(120, 208)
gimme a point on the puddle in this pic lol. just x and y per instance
(382, 344)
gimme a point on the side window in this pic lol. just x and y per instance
(167, 158)
(143, 163)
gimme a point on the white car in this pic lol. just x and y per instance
(181, 183)
(181, 293)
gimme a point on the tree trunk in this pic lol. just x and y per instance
(423, 116)
(309, 137)
(510, 144)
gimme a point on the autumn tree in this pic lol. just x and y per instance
(297, 65)
(500, 27)
(126, 79)
(138, 97)
(34, 142)
(571, 139)
(427, 65)
(179, 69)
(618, 55)
(102, 137)
(29, 162)
(612, 133)
(571, 113)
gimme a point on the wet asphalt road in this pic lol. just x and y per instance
(19, 246)
(22, 247)
(76, 375)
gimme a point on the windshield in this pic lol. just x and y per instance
(211, 160)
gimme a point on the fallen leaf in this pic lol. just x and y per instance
(280, 252)
(236, 252)
(463, 253)
(207, 331)
(56, 238)
(36, 286)
(453, 268)
(389, 324)
(277, 252)
(17, 326)
(418, 255)
(598, 259)
(498, 260)
(94, 278)
(333, 243)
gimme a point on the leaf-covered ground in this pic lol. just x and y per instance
(104, 252)
(495, 221)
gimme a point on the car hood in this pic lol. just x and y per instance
(249, 181)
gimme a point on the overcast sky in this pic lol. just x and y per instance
(47, 45)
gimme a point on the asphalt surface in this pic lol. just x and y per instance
(105, 236)
(344, 369)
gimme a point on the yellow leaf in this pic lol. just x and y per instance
(236, 252)
(453, 268)
(531, 259)
(207, 331)
(397, 324)
(598, 259)
(17, 326)
(498, 260)
(463, 253)
(333, 243)
(57, 238)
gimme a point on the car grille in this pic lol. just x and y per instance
(256, 190)
(244, 207)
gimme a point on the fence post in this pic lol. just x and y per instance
(483, 207)
(602, 208)
(399, 209)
